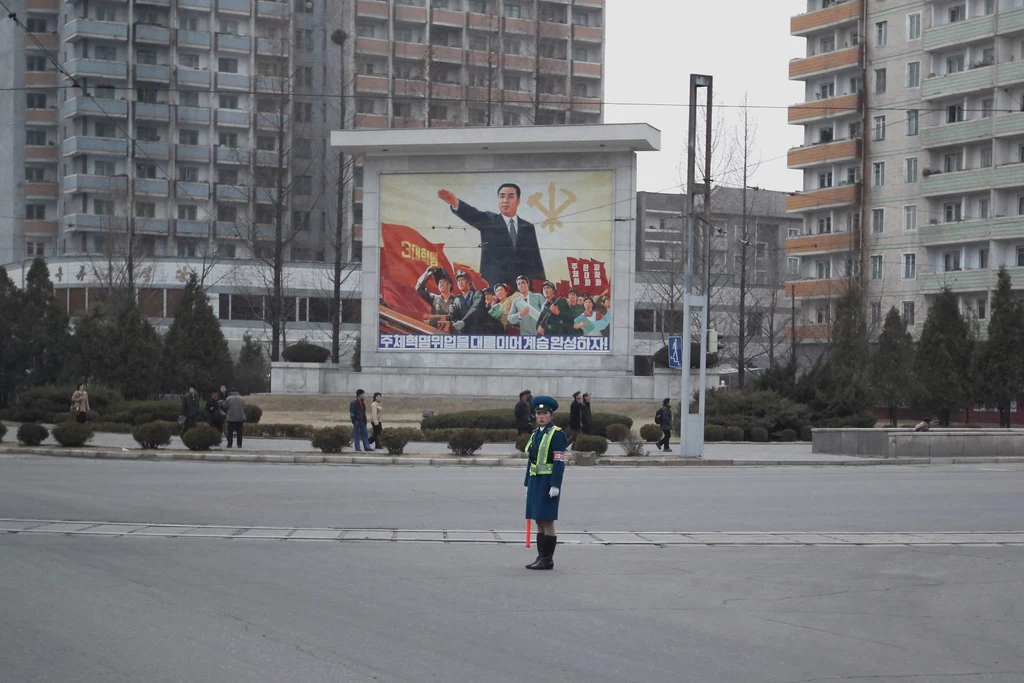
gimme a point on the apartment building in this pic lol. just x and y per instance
(190, 125)
(660, 262)
(913, 155)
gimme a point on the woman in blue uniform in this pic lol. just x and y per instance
(544, 479)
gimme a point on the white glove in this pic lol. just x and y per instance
(459, 324)
(527, 494)
(553, 492)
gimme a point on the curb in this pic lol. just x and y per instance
(483, 461)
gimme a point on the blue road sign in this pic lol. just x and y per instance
(675, 352)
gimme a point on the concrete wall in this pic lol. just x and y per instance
(905, 443)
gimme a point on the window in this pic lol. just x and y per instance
(104, 92)
(304, 38)
(34, 63)
(990, 7)
(145, 57)
(512, 83)
(34, 174)
(145, 171)
(988, 56)
(878, 130)
(913, 122)
(878, 174)
(186, 248)
(35, 212)
(910, 218)
(955, 113)
(187, 136)
(227, 65)
(304, 185)
(911, 170)
(909, 266)
(189, 98)
(908, 313)
(188, 23)
(821, 315)
(981, 306)
(228, 140)
(580, 18)
(145, 210)
(825, 179)
(227, 213)
(823, 269)
(957, 13)
(825, 225)
(1020, 257)
(303, 148)
(189, 60)
(227, 101)
(877, 221)
(982, 259)
(306, 6)
(305, 75)
(35, 25)
(953, 162)
(187, 212)
(226, 251)
(876, 267)
(106, 53)
(104, 168)
(881, 34)
(984, 208)
(512, 119)
(513, 47)
(876, 312)
(103, 207)
(986, 157)
(954, 64)
(303, 111)
(147, 134)
(951, 261)
(35, 137)
(512, 11)
(880, 81)
(267, 143)
(105, 13)
(952, 212)
(403, 35)
(793, 265)
(35, 101)
(826, 134)
(105, 129)
(188, 174)
(229, 26)
(914, 75)
(914, 26)
(35, 249)
(827, 44)
(987, 106)
(300, 220)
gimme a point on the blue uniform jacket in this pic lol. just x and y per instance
(539, 505)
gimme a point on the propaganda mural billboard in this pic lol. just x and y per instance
(516, 261)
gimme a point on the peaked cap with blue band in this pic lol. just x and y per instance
(544, 404)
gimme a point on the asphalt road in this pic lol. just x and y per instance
(111, 610)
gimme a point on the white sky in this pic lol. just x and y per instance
(652, 47)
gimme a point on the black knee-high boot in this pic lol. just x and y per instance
(547, 550)
(540, 551)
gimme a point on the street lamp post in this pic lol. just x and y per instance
(338, 37)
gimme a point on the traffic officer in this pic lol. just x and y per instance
(544, 479)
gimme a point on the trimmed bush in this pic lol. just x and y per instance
(153, 435)
(395, 439)
(201, 438)
(61, 418)
(305, 352)
(280, 431)
(787, 435)
(714, 433)
(651, 432)
(32, 434)
(750, 408)
(110, 427)
(732, 433)
(861, 421)
(504, 419)
(466, 442)
(490, 435)
(523, 440)
(42, 404)
(144, 412)
(805, 433)
(72, 434)
(332, 439)
(3, 430)
(588, 443)
(760, 434)
(253, 414)
(617, 432)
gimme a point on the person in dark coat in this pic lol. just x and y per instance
(357, 413)
(469, 310)
(524, 413)
(190, 409)
(215, 411)
(586, 417)
(664, 420)
(554, 318)
(575, 417)
(544, 469)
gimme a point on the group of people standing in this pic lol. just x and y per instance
(223, 407)
(581, 420)
(363, 421)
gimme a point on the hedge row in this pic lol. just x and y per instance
(122, 412)
(504, 418)
(713, 433)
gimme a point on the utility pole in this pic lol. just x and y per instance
(692, 426)
(339, 37)
(792, 324)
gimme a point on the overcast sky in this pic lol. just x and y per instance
(654, 45)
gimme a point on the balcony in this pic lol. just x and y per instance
(1008, 175)
(232, 155)
(376, 9)
(372, 84)
(811, 155)
(40, 116)
(371, 121)
(801, 69)
(448, 55)
(372, 46)
(816, 288)
(195, 78)
(410, 88)
(82, 144)
(820, 244)
(41, 79)
(241, 7)
(232, 193)
(78, 29)
(813, 200)
(484, 22)
(980, 230)
(274, 85)
(443, 17)
(152, 226)
(956, 182)
(79, 182)
(445, 91)
(92, 221)
(229, 42)
(411, 14)
(229, 81)
(586, 105)
(585, 69)
(1008, 125)
(149, 33)
(195, 153)
(958, 280)
(86, 106)
(40, 41)
(1010, 74)
(96, 67)
(40, 227)
(836, 15)
(41, 153)
(268, 158)
(188, 228)
(200, 39)
(958, 32)
(416, 51)
(550, 29)
(154, 187)
(156, 73)
(272, 10)
(956, 133)
(269, 47)
(192, 191)
(523, 27)
(266, 195)
(193, 115)
(961, 83)
(1011, 21)
(152, 149)
(233, 117)
(43, 5)
(202, 5)
(41, 190)
(559, 67)
(811, 333)
(152, 112)
(588, 34)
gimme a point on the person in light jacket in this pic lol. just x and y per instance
(80, 404)
(234, 413)
(526, 309)
(376, 412)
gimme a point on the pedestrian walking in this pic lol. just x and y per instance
(524, 413)
(234, 413)
(80, 404)
(586, 418)
(544, 469)
(575, 417)
(357, 413)
(215, 411)
(376, 412)
(663, 418)
(190, 410)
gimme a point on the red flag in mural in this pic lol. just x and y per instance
(404, 256)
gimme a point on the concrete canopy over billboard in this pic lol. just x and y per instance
(429, 199)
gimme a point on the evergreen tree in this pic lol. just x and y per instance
(195, 351)
(892, 366)
(841, 387)
(1000, 365)
(943, 361)
(251, 371)
(12, 363)
(88, 359)
(134, 353)
(44, 327)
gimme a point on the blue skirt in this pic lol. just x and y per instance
(539, 505)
